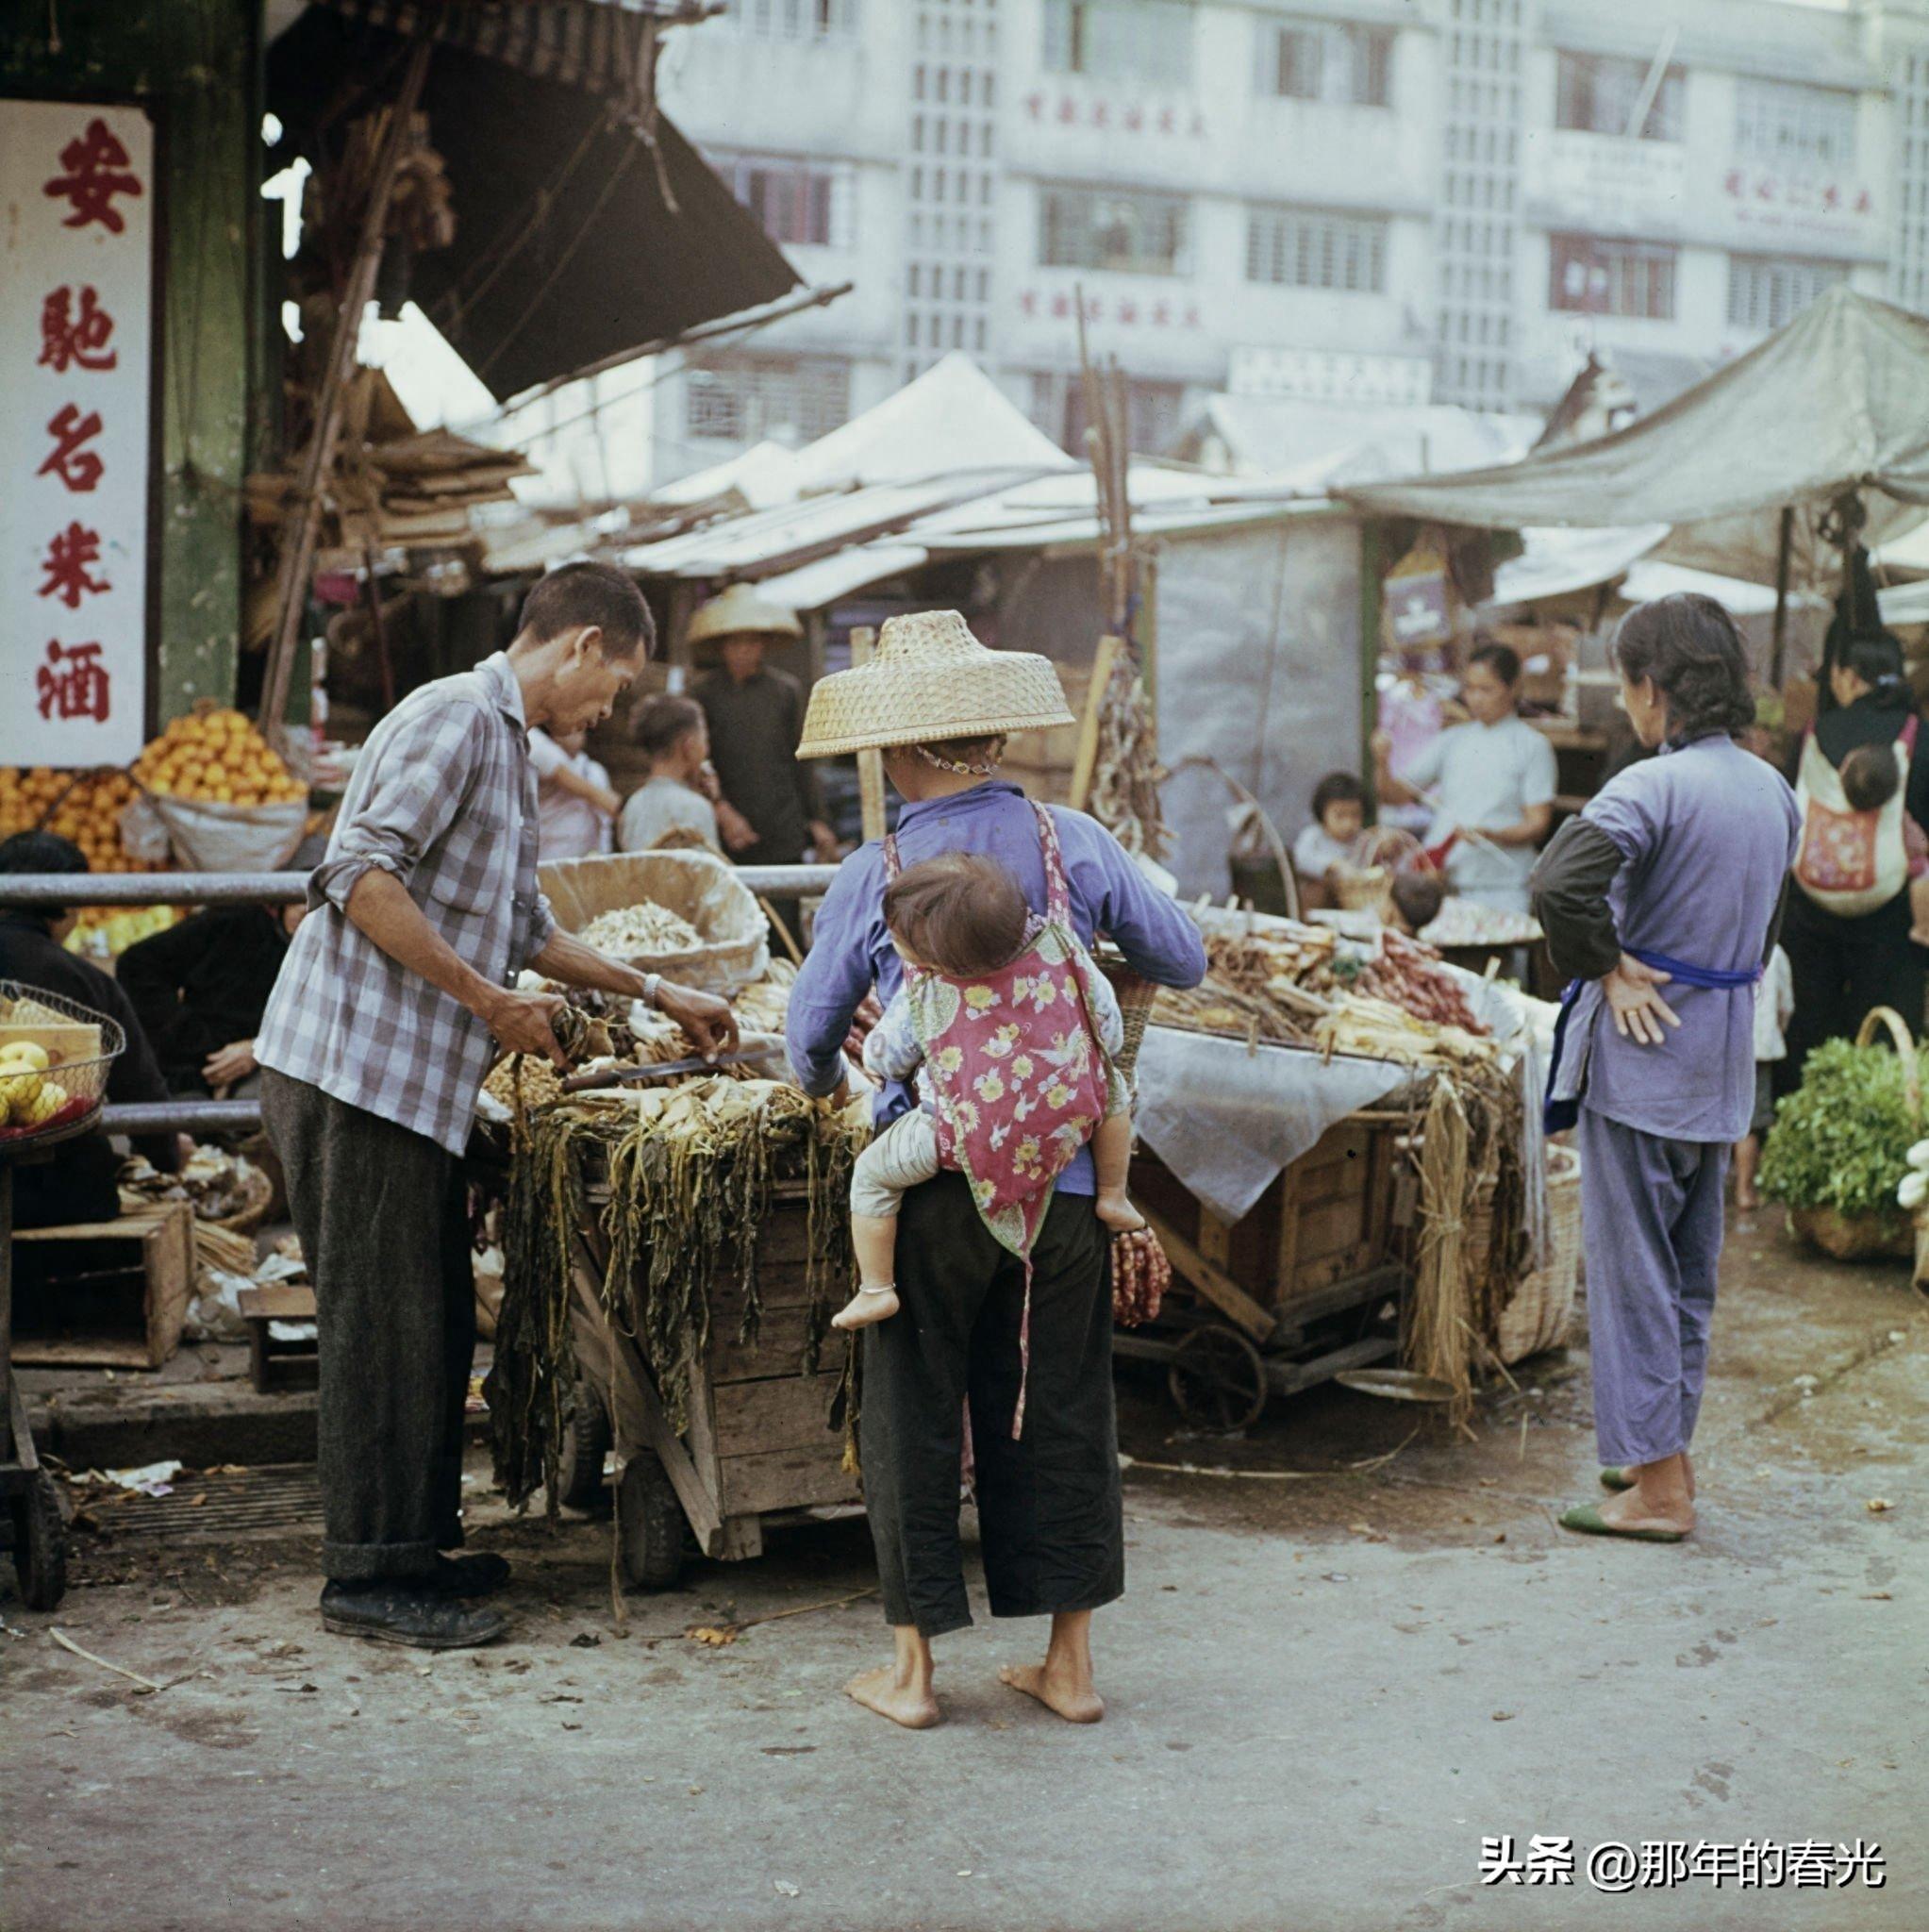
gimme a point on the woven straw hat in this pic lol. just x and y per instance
(739, 612)
(931, 680)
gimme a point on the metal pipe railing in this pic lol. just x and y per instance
(282, 887)
(183, 1117)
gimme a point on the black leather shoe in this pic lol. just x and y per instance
(467, 1577)
(408, 1612)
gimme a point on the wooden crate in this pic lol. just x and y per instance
(105, 1294)
(1325, 1220)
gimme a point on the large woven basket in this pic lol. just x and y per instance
(1888, 1233)
(698, 886)
(1537, 1318)
(259, 1196)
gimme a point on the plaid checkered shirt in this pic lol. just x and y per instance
(445, 799)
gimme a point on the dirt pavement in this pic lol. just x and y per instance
(1324, 1691)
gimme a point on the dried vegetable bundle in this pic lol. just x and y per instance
(1126, 773)
(629, 932)
(690, 1172)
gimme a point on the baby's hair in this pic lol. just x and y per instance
(1870, 777)
(962, 913)
(1420, 896)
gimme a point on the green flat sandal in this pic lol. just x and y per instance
(1588, 1519)
(1616, 1478)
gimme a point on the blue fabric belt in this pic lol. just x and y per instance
(1558, 1115)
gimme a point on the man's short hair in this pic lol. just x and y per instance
(42, 852)
(663, 720)
(581, 594)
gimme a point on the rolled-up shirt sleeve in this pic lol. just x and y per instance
(424, 774)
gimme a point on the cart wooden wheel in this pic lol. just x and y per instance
(585, 1446)
(1217, 1380)
(649, 1522)
(40, 1544)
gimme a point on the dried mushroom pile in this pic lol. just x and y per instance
(690, 1172)
(630, 932)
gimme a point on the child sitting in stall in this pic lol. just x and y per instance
(1340, 815)
(1870, 778)
(1012, 1032)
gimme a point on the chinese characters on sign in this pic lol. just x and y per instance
(76, 264)
(1110, 117)
(1128, 311)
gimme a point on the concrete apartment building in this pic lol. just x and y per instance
(1373, 200)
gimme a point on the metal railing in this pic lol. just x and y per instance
(67, 888)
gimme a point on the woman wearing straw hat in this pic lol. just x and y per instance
(939, 705)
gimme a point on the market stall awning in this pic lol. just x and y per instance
(583, 229)
(1837, 401)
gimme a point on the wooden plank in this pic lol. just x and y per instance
(1217, 1287)
(783, 1412)
(158, 1242)
(1215, 1238)
(104, 1352)
(789, 1479)
(1285, 1267)
(279, 1301)
(1326, 1231)
(778, 1349)
(700, 1437)
(743, 1539)
(1086, 758)
(869, 763)
(782, 1285)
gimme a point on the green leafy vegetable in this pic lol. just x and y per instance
(1842, 1140)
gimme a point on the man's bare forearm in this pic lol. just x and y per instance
(379, 905)
(568, 960)
(601, 796)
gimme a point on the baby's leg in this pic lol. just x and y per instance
(899, 1158)
(1918, 909)
(1111, 1159)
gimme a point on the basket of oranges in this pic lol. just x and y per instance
(224, 800)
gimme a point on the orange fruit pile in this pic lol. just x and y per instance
(86, 810)
(214, 756)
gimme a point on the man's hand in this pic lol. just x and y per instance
(1381, 746)
(867, 1016)
(706, 783)
(707, 1018)
(739, 834)
(1640, 1012)
(234, 1061)
(521, 1023)
(826, 842)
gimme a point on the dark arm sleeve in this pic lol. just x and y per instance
(1569, 891)
(135, 1079)
(1774, 938)
(151, 971)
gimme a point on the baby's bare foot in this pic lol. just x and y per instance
(903, 1703)
(1117, 1212)
(867, 1306)
(1075, 1704)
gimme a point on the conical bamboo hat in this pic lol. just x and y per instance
(931, 680)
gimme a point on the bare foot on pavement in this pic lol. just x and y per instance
(1074, 1707)
(880, 1691)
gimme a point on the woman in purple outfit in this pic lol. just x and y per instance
(1661, 900)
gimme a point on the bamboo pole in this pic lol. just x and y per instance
(303, 524)
(869, 763)
(1779, 651)
(1085, 759)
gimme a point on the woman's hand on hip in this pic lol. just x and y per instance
(1639, 1011)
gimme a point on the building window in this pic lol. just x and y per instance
(794, 202)
(1765, 293)
(1801, 133)
(1305, 248)
(1594, 277)
(1598, 94)
(1121, 40)
(795, 398)
(1101, 228)
(1329, 60)
(794, 19)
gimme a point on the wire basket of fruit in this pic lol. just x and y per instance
(55, 1054)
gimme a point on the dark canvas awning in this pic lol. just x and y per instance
(584, 229)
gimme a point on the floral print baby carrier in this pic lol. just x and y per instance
(1015, 1071)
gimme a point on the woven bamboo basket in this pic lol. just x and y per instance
(1537, 1318)
(1870, 1237)
(258, 1197)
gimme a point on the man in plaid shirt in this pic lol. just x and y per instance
(394, 999)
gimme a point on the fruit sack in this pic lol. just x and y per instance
(215, 796)
(208, 835)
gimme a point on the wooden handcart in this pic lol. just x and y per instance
(1306, 1285)
(760, 1446)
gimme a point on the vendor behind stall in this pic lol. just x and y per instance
(78, 1183)
(200, 989)
(1494, 777)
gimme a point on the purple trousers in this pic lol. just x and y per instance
(1651, 1219)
